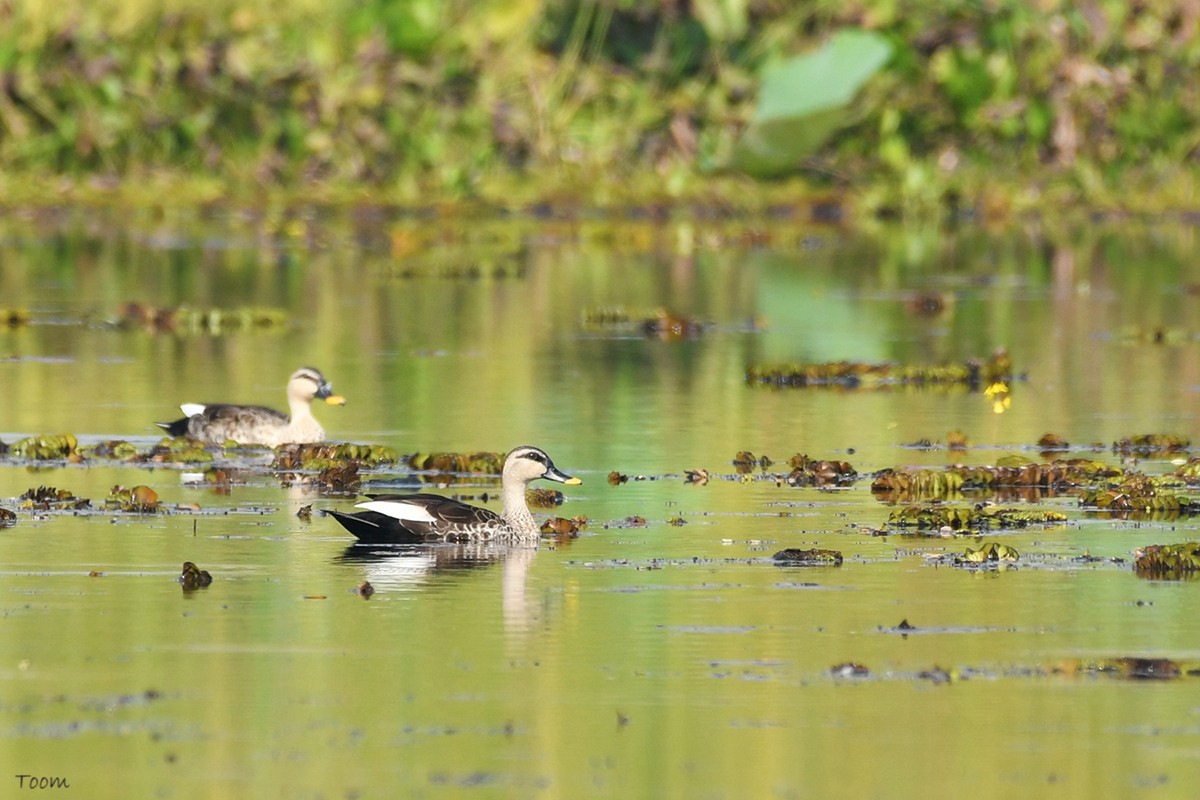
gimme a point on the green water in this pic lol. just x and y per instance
(656, 660)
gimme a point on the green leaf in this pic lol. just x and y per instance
(807, 99)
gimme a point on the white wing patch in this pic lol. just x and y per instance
(410, 512)
(191, 409)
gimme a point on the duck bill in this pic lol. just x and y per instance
(555, 474)
(335, 400)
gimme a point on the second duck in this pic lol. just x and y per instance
(218, 423)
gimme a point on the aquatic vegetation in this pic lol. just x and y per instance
(897, 485)
(814, 557)
(46, 448)
(974, 374)
(178, 451)
(482, 463)
(138, 500)
(7, 518)
(113, 448)
(1138, 493)
(193, 578)
(47, 498)
(325, 455)
(812, 472)
(1150, 444)
(989, 552)
(211, 321)
(1168, 561)
(963, 518)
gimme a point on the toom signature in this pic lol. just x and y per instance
(41, 782)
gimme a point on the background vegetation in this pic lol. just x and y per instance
(992, 105)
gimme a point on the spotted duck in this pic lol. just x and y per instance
(217, 423)
(409, 518)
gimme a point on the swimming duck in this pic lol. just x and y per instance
(401, 518)
(217, 423)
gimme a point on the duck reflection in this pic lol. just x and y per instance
(418, 567)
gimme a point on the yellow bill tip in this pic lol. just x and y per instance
(572, 481)
(335, 400)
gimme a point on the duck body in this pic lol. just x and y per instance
(217, 423)
(414, 518)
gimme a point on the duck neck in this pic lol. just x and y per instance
(301, 422)
(515, 511)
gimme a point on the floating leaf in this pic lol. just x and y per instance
(113, 448)
(615, 478)
(1052, 441)
(989, 552)
(562, 527)
(961, 518)
(1168, 561)
(45, 448)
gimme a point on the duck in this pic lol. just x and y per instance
(214, 424)
(415, 518)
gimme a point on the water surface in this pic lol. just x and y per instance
(636, 660)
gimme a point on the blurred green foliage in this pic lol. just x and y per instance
(517, 101)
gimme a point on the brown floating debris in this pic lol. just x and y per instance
(615, 478)
(14, 317)
(365, 590)
(796, 557)
(193, 577)
(186, 320)
(699, 477)
(7, 518)
(659, 323)
(305, 512)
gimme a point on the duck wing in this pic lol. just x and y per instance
(243, 424)
(432, 516)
